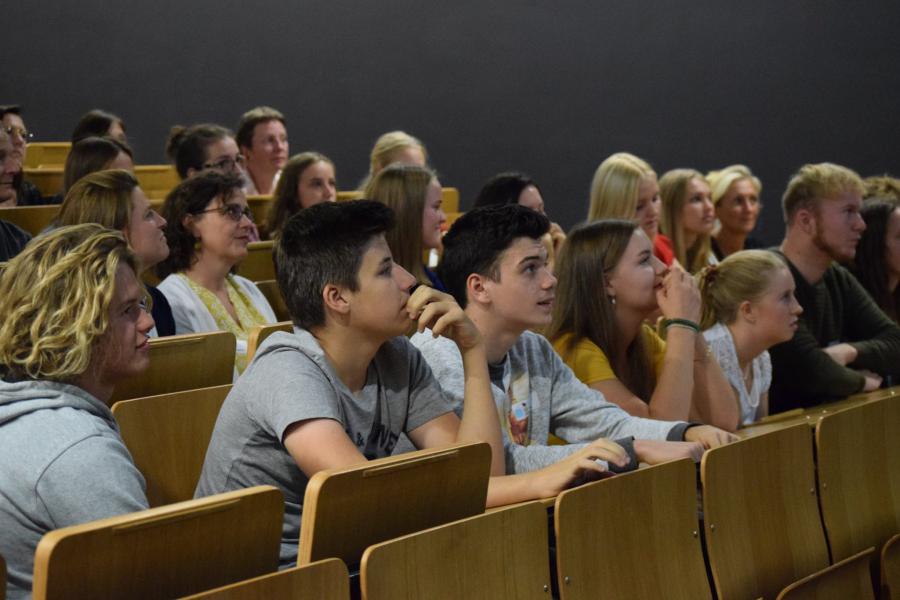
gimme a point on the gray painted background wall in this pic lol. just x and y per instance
(550, 88)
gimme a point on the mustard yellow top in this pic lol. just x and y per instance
(248, 315)
(590, 364)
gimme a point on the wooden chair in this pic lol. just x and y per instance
(49, 180)
(167, 436)
(634, 535)
(858, 453)
(846, 579)
(259, 334)
(449, 198)
(163, 552)
(259, 206)
(890, 569)
(157, 180)
(761, 513)
(498, 555)
(326, 580)
(347, 510)
(272, 292)
(46, 154)
(259, 264)
(183, 362)
(33, 219)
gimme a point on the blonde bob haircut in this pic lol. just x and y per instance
(720, 181)
(55, 297)
(673, 191)
(386, 149)
(884, 187)
(402, 188)
(103, 197)
(740, 277)
(615, 187)
(817, 182)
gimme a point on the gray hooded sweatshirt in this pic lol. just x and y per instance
(62, 462)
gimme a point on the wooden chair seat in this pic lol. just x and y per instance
(167, 437)
(322, 580)
(49, 180)
(499, 555)
(763, 530)
(164, 552)
(347, 510)
(183, 362)
(633, 536)
(33, 219)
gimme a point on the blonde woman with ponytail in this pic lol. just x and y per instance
(748, 306)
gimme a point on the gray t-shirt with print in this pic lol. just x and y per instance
(290, 380)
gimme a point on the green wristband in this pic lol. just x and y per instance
(686, 323)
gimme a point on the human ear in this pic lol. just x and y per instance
(476, 289)
(334, 298)
(747, 312)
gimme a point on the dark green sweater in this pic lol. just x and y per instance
(837, 309)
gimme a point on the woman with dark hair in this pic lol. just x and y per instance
(203, 147)
(99, 123)
(93, 154)
(518, 188)
(609, 283)
(306, 180)
(877, 262)
(208, 231)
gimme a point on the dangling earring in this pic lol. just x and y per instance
(197, 244)
(612, 300)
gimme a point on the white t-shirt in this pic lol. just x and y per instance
(722, 345)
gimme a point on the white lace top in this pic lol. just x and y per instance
(722, 345)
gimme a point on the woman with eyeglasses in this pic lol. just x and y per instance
(208, 231)
(207, 147)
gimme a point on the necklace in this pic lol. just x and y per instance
(747, 373)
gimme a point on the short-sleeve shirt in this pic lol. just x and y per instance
(290, 380)
(590, 364)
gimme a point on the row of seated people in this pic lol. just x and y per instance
(343, 387)
(206, 297)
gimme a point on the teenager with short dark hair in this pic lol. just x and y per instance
(496, 267)
(346, 383)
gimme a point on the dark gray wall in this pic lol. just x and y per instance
(550, 88)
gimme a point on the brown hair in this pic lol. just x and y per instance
(286, 199)
(673, 191)
(816, 182)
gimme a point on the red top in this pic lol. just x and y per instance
(662, 249)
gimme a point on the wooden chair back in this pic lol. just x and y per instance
(322, 580)
(347, 510)
(635, 535)
(848, 578)
(167, 436)
(272, 292)
(259, 264)
(858, 453)
(762, 523)
(259, 334)
(502, 554)
(259, 206)
(33, 219)
(157, 180)
(183, 362)
(890, 569)
(49, 180)
(164, 552)
(46, 154)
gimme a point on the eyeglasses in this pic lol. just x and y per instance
(232, 211)
(12, 130)
(227, 163)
